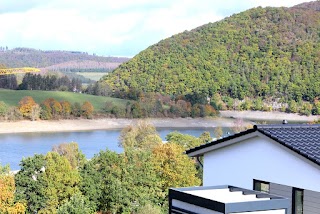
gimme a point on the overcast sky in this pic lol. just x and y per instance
(110, 27)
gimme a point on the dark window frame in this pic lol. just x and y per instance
(294, 190)
(261, 182)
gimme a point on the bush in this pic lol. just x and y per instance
(13, 114)
(3, 109)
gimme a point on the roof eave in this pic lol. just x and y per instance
(223, 142)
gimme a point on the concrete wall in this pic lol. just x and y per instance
(262, 159)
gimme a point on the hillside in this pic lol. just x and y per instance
(58, 60)
(266, 52)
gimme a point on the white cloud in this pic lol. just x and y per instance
(108, 27)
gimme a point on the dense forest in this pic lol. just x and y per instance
(55, 60)
(266, 53)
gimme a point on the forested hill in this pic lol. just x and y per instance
(21, 57)
(267, 52)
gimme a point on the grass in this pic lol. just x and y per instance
(12, 97)
(92, 75)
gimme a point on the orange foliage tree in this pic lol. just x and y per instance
(87, 109)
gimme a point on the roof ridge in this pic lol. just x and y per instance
(285, 126)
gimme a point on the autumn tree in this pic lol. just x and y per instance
(46, 182)
(72, 152)
(87, 109)
(54, 108)
(7, 190)
(173, 167)
(35, 112)
(62, 181)
(26, 105)
(141, 135)
(65, 109)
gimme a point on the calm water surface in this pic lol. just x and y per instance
(13, 147)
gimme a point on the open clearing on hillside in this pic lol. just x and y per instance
(92, 75)
(12, 97)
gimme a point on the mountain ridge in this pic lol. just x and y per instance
(54, 59)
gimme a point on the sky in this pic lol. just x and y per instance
(110, 27)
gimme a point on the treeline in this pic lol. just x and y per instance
(49, 109)
(50, 83)
(146, 105)
(136, 181)
(267, 53)
(40, 82)
(21, 57)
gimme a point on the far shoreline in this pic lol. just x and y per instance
(226, 119)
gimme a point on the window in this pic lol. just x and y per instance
(297, 201)
(261, 186)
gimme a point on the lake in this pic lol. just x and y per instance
(13, 147)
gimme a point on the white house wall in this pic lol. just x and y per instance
(262, 159)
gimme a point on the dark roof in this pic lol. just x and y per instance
(302, 139)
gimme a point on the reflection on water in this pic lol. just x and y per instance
(13, 147)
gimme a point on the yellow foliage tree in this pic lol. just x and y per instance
(7, 190)
(26, 106)
(174, 168)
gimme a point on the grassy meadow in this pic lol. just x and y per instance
(12, 97)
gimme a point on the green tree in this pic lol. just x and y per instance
(184, 140)
(76, 109)
(292, 106)
(205, 137)
(91, 182)
(31, 184)
(78, 204)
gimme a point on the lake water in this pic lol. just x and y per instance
(13, 147)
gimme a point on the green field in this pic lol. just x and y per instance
(92, 75)
(12, 97)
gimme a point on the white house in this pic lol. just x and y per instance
(279, 159)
